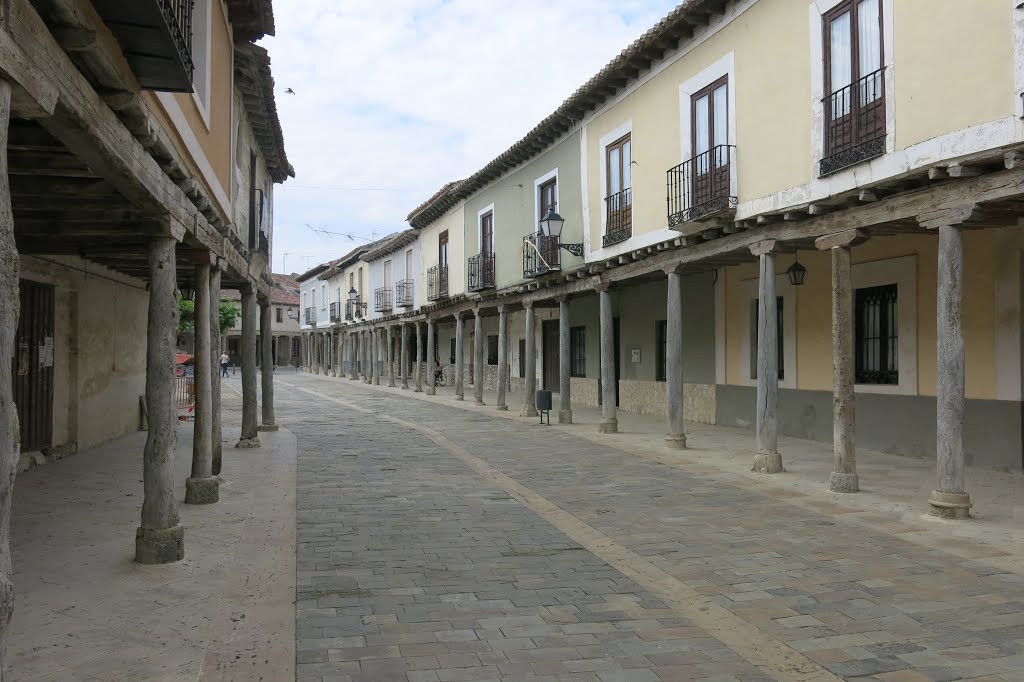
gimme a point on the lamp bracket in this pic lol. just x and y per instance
(574, 249)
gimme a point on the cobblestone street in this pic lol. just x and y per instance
(437, 544)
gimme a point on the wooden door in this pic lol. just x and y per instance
(32, 368)
(549, 334)
(710, 139)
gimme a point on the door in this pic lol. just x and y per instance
(387, 274)
(618, 158)
(32, 368)
(710, 139)
(855, 104)
(442, 249)
(549, 334)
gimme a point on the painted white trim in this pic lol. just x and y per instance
(480, 226)
(203, 30)
(1018, 64)
(726, 66)
(720, 326)
(585, 193)
(623, 129)
(195, 149)
(536, 191)
(903, 273)
(787, 292)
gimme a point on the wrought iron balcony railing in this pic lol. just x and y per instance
(619, 212)
(481, 272)
(382, 299)
(854, 123)
(310, 316)
(541, 255)
(335, 312)
(437, 283)
(156, 39)
(404, 293)
(350, 308)
(703, 186)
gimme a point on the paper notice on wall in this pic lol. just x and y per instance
(46, 352)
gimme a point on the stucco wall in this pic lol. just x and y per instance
(453, 222)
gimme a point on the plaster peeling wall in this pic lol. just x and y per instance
(648, 397)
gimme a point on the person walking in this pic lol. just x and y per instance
(224, 360)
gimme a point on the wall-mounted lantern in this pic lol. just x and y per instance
(796, 272)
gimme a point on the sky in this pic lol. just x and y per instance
(394, 98)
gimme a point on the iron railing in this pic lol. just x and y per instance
(178, 15)
(619, 211)
(540, 255)
(404, 292)
(481, 272)
(310, 315)
(350, 308)
(855, 123)
(382, 299)
(702, 186)
(335, 312)
(437, 282)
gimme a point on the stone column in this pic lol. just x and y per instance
(459, 358)
(368, 356)
(564, 363)
(267, 377)
(844, 474)
(767, 460)
(419, 360)
(950, 498)
(390, 356)
(404, 355)
(160, 539)
(530, 364)
(202, 487)
(216, 431)
(502, 356)
(340, 352)
(376, 360)
(250, 316)
(479, 345)
(609, 420)
(304, 359)
(674, 411)
(431, 367)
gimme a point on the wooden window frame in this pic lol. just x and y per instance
(487, 233)
(827, 18)
(442, 248)
(709, 92)
(548, 186)
(617, 144)
(578, 351)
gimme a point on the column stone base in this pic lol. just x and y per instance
(478, 401)
(676, 442)
(159, 545)
(248, 443)
(843, 483)
(202, 490)
(391, 384)
(333, 374)
(609, 425)
(768, 463)
(565, 416)
(950, 505)
(502, 408)
(418, 390)
(268, 427)
(431, 391)
(376, 382)
(459, 397)
(529, 411)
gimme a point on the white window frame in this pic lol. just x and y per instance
(552, 174)
(202, 58)
(624, 128)
(903, 273)
(480, 227)
(323, 296)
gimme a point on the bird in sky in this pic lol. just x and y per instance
(289, 91)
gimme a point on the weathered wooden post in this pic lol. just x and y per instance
(459, 358)
(478, 356)
(767, 460)
(419, 360)
(389, 355)
(564, 363)
(216, 348)
(609, 420)
(404, 354)
(250, 320)
(502, 356)
(269, 423)
(202, 487)
(674, 386)
(530, 363)
(431, 366)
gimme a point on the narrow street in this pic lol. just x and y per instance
(437, 543)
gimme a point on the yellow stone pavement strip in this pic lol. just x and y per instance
(772, 656)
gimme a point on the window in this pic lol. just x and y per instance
(855, 85)
(492, 349)
(779, 342)
(452, 356)
(442, 249)
(710, 115)
(618, 201)
(660, 357)
(619, 171)
(279, 315)
(578, 351)
(314, 299)
(387, 274)
(408, 264)
(522, 357)
(876, 334)
(201, 14)
(351, 281)
(548, 197)
(487, 233)
(323, 296)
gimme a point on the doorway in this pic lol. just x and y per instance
(549, 336)
(32, 368)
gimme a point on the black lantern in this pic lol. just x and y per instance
(353, 295)
(796, 272)
(551, 224)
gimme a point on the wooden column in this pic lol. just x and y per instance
(419, 360)
(844, 418)
(502, 356)
(202, 487)
(160, 539)
(368, 356)
(950, 498)
(431, 366)
(216, 348)
(609, 420)
(564, 363)
(268, 423)
(767, 460)
(479, 358)
(674, 386)
(459, 357)
(389, 355)
(250, 320)
(530, 363)
(404, 355)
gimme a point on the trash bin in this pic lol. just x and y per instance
(544, 405)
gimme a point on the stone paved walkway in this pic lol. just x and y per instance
(436, 543)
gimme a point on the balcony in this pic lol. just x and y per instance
(335, 312)
(437, 283)
(540, 255)
(382, 299)
(350, 309)
(619, 213)
(703, 187)
(481, 272)
(310, 316)
(404, 293)
(854, 123)
(156, 39)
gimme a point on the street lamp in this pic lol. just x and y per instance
(353, 297)
(796, 272)
(551, 226)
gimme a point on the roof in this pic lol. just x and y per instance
(254, 80)
(614, 77)
(284, 292)
(251, 19)
(391, 243)
(316, 270)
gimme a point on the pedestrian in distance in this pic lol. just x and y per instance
(224, 360)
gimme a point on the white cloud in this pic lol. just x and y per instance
(405, 95)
